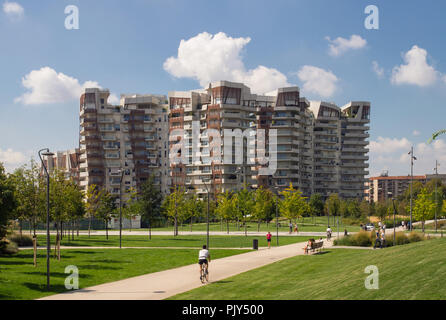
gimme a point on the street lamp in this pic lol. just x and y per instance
(48, 154)
(394, 219)
(412, 158)
(207, 218)
(277, 215)
(243, 170)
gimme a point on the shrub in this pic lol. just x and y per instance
(362, 239)
(415, 237)
(22, 241)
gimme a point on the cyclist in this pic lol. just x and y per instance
(328, 233)
(204, 257)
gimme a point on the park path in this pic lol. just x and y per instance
(164, 284)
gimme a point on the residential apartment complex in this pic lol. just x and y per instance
(320, 147)
(131, 137)
(385, 187)
(66, 162)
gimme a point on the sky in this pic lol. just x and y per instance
(142, 46)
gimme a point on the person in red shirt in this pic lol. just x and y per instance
(268, 238)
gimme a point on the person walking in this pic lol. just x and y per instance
(291, 227)
(268, 239)
(377, 240)
(296, 229)
(383, 240)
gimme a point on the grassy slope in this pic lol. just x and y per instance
(20, 280)
(414, 271)
(194, 241)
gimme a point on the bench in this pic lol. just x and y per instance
(315, 246)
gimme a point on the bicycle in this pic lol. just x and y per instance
(204, 276)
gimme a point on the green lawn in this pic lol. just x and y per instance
(319, 224)
(194, 241)
(413, 271)
(20, 280)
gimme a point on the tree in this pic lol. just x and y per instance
(263, 208)
(150, 199)
(106, 209)
(316, 205)
(193, 207)
(131, 207)
(225, 209)
(74, 204)
(333, 205)
(172, 206)
(382, 210)
(424, 208)
(92, 202)
(293, 205)
(7, 201)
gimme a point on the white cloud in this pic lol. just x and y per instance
(377, 69)
(341, 45)
(416, 133)
(416, 70)
(318, 81)
(392, 154)
(11, 159)
(13, 10)
(48, 86)
(208, 58)
(113, 99)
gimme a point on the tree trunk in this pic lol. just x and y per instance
(61, 230)
(106, 229)
(89, 225)
(258, 227)
(175, 227)
(150, 231)
(227, 225)
(20, 228)
(191, 224)
(78, 224)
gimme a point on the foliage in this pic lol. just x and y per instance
(316, 205)
(424, 207)
(8, 202)
(293, 205)
(23, 240)
(333, 204)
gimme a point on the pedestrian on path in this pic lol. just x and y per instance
(291, 227)
(377, 240)
(268, 238)
(296, 229)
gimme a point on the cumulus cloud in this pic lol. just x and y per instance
(341, 45)
(416, 133)
(11, 159)
(13, 10)
(377, 69)
(416, 70)
(208, 58)
(113, 99)
(392, 154)
(318, 81)
(48, 86)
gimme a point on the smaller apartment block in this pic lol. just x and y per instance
(385, 187)
(66, 162)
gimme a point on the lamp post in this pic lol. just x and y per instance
(394, 217)
(243, 170)
(121, 172)
(412, 158)
(436, 200)
(277, 215)
(48, 154)
(207, 218)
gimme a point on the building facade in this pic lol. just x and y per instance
(66, 162)
(129, 138)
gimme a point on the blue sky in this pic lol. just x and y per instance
(124, 45)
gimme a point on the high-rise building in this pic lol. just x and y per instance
(66, 162)
(131, 137)
(320, 148)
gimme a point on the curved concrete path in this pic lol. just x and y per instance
(164, 284)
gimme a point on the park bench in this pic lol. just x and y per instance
(315, 246)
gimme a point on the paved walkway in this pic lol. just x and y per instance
(164, 284)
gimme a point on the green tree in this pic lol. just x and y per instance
(173, 206)
(424, 207)
(332, 206)
(7, 202)
(316, 205)
(225, 209)
(263, 208)
(293, 205)
(92, 203)
(193, 208)
(131, 207)
(106, 209)
(244, 204)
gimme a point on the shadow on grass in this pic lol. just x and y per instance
(91, 267)
(222, 282)
(108, 261)
(55, 274)
(16, 263)
(321, 253)
(54, 288)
